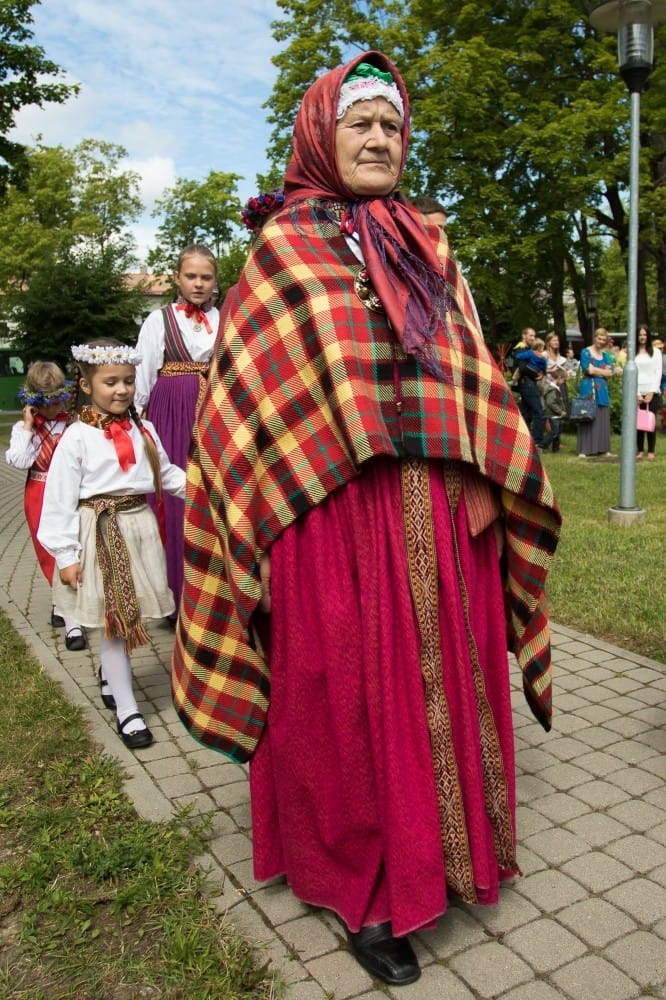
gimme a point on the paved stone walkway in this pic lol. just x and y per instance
(587, 921)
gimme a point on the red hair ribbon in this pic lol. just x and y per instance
(117, 431)
(40, 420)
(195, 313)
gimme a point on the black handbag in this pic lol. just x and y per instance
(583, 409)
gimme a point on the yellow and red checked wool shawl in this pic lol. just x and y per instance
(301, 393)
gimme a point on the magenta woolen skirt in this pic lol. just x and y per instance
(171, 409)
(342, 783)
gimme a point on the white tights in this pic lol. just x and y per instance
(117, 672)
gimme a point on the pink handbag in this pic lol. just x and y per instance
(645, 418)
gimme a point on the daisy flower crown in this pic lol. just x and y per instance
(41, 398)
(121, 354)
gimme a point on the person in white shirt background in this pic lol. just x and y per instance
(649, 367)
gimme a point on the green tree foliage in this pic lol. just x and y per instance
(107, 196)
(519, 124)
(206, 212)
(65, 248)
(36, 219)
(230, 264)
(24, 73)
(69, 198)
(81, 295)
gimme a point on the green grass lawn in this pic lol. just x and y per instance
(609, 580)
(95, 902)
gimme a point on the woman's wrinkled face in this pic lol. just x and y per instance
(368, 147)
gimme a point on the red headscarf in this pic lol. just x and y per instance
(399, 256)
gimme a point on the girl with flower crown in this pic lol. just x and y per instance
(176, 344)
(31, 446)
(97, 525)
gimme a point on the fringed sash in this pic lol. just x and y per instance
(122, 615)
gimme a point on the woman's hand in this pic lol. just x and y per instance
(71, 575)
(265, 577)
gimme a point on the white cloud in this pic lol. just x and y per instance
(157, 173)
(180, 86)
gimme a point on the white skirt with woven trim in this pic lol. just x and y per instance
(147, 562)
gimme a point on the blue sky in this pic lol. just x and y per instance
(179, 84)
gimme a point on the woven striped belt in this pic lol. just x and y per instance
(122, 615)
(38, 477)
(108, 503)
(199, 368)
(185, 368)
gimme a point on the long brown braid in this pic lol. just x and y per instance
(75, 401)
(151, 450)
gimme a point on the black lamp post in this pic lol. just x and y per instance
(634, 22)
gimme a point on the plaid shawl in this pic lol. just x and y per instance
(301, 393)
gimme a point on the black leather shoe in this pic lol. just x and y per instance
(139, 738)
(385, 957)
(107, 699)
(57, 621)
(75, 639)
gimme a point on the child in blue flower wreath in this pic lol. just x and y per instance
(31, 446)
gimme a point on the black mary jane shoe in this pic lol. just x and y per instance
(75, 640)
(138, 739)
(107, 699)
(57, 621)
(385, 957)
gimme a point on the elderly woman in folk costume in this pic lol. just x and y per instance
(368, 528)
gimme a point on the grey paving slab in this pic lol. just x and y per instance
(588, 918)
(596, 922)
(545, 945)
(595, 978)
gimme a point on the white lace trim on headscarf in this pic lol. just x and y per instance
(368, 90)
